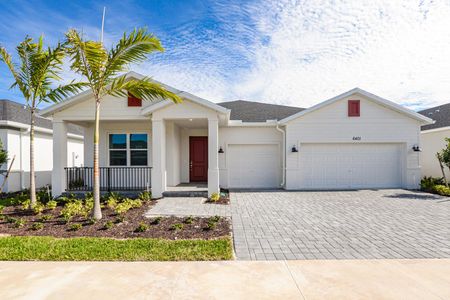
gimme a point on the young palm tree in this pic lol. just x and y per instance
(102, 69)
(35, 75)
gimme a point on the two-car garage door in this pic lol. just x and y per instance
(350, 166)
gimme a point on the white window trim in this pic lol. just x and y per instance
(128, 149)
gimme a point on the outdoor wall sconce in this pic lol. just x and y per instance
(294, 149)
(220, 149)
(416, 148)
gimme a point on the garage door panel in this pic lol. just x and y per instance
(348, 166)
(253, 166)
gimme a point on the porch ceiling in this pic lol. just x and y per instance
(191, 123)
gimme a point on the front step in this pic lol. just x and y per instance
(203, 194)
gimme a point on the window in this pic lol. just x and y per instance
(134, 101)
(128, 149)
(353, 108)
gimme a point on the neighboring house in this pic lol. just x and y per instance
(433, 139)
(355, 140)
(15, 136)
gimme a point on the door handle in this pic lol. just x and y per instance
(190, 164)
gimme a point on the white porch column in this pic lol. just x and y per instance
(213, 156)
(158, 158)
(59, 157)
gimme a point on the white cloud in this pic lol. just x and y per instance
(396, 49)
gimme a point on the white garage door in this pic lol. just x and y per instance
(254, 166)
(350, 166)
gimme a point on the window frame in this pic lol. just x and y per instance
(128, 149)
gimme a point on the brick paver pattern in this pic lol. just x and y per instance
(366, 224)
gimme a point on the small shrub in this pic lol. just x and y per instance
(46, 218)
(91, 221)
(214, 197)
(145, 196)
(211, 225)
(441, 190)
(1, 209)
(72, 209)
(52, 204)
(427, 183)
(142, 227)
(122, 208)
(9, 219)
(176, 227)
(156, 221)
(108, 225)
(111, 202)
(189, 220)
(38, 208)
(136, 203)
(37, 226)
(19, 223)
(75, 227)
(26, 204)
(215, 219)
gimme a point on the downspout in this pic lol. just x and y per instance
(283, 155)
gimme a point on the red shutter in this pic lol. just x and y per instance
(354, 108)
(133, 101)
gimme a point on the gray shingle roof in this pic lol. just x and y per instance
(249, 111)
(16, 112)
(441, 114)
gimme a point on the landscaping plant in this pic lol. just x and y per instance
(142, 227)
(102, 71)
(35, 74)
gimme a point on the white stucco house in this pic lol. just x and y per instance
(14, 134)
(433, 139)
(352, 141)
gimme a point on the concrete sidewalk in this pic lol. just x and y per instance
(307, 279)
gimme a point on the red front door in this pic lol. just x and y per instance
(198, 158)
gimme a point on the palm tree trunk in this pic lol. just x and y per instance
(96, 213)
(32, 176)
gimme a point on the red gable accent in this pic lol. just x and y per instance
(133, 101)
(354, 109)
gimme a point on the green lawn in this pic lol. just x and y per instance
(107, 249)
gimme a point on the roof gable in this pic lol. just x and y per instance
(371, 97)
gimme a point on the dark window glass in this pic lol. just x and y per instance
(118, 158)
(138, 158)
(117, 141)
(138, 141)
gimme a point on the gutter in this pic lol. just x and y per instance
(283, 176)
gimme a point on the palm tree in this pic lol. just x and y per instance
(103, 70)
(35, 76)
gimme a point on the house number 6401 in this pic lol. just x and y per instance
(356, 138)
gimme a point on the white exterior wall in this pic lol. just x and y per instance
(243, 136)
(17, 143)
(331, 124)
(107, 127)
(433, 141)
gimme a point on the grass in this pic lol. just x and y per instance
(106, 249)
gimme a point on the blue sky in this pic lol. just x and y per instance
(288, 52)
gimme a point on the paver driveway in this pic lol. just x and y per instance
(340, 225)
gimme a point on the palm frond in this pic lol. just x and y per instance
(144, 89)
(6, 58)
(88, 57)
(63, 91)
(132, 48)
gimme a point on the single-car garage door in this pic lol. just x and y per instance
(254, 166)
(350, 166)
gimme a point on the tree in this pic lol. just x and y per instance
(101, 69)
(35, 75)
(3, 155)
(444, 158)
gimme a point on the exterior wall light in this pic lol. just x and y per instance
(416, 148)
(294, 149)
(221, 150)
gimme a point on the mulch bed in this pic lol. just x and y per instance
(123, 230)
(223, 200)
